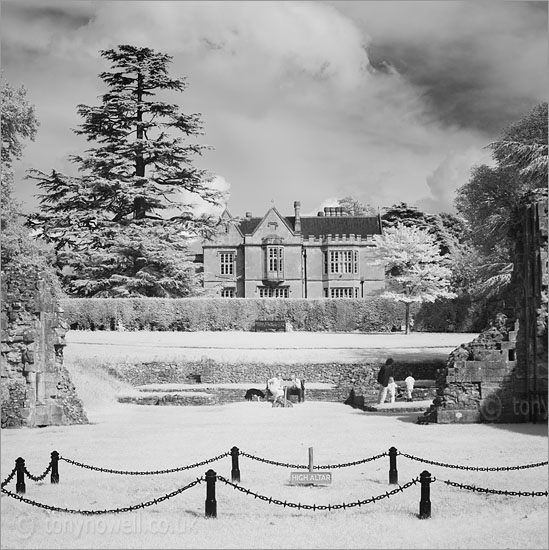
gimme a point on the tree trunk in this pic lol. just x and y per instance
(139, 202)
(407, 318)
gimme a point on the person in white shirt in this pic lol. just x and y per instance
(275, 386)
(392, 388)
(409, 381)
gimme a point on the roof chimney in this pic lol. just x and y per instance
(297, 208)
(248, 215)
(327, 211)
(320, 214)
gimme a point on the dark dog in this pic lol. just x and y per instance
(253, 392)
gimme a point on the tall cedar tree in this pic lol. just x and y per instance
(414, 267)
(122, 227)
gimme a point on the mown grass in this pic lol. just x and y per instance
(132, 437)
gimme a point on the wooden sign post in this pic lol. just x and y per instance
(311, 477)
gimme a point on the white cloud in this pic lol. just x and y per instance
(453, 172)
(289, 102)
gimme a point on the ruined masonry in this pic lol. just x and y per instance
(501, 376)
(36, 389)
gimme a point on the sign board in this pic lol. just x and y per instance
(307, 478)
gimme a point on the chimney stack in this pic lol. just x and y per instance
(297, 208)
(320, 214)
(248, 215)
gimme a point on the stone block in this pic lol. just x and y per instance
(56, 415)
(507, 345)
(472, 372)
(458, 416)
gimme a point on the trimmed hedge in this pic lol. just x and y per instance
(370, 314)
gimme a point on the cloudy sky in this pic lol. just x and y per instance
(311, 101)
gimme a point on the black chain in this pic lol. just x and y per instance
(306, 467)
(315, 507)
(143, 473)
(476, 468)
(10, 477)
(38, 478)
(106, 511)
(496, 491)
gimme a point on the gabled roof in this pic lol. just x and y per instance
(338, 225)
(315, 226)
(248, 225)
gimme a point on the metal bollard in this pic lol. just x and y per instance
(425, 502)
(393, 473)
(20, 483)
(54, 467)
(235, 472)
(211, 503)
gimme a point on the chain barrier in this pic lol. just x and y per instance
(306, 467)
(143, 473)
(38, 478)
(106, 511)
(475, 468)
(315, 507)
(496, 491)
(10, 477)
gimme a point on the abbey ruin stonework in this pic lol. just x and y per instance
(501, 376)
(36, 389)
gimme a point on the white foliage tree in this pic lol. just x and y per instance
(414, 267)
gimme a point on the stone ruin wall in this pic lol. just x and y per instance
(501, 376)
(36, 389)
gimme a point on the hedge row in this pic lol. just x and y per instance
(371, 314)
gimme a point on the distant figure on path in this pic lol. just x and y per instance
(409, 381)
(385, 372)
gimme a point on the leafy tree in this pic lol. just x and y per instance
(447, 229)
(352, 207)
(19, 123)
(414, 268)
(122, 227)
(523, 146)
(488, 200)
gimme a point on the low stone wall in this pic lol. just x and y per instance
(212, 395)
(345, 376)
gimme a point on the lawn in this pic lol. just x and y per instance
(132, 437)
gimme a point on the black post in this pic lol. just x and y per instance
(425, 502)
(54, 467)
(393, 473)
(211, 504)
(20, 484)
(235, 472)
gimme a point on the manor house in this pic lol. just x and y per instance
(330, 255)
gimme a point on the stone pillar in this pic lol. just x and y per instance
(36, 387)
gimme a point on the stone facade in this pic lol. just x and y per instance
(325, 256)
(36, 389)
